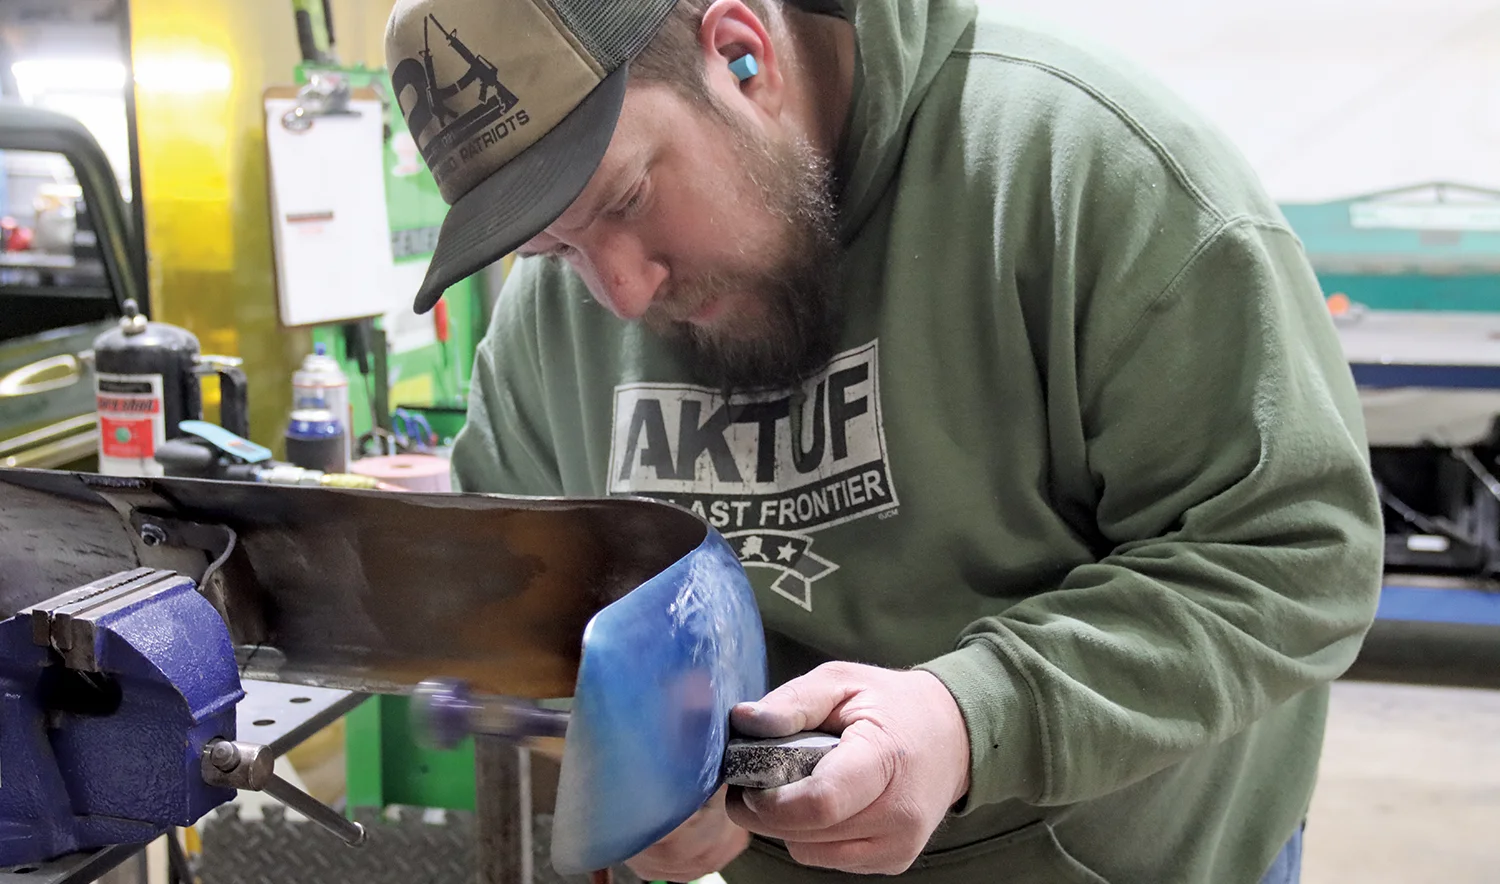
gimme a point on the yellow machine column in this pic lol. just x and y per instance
(201, 67)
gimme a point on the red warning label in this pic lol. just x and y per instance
(126, 437)
(132, 423)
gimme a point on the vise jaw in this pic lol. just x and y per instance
(110, 696)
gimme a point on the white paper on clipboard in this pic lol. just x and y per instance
(330, 226)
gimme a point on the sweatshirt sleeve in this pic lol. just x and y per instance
(1244, 539)
(503, 447)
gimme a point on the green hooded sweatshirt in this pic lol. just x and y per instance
(1089, 453)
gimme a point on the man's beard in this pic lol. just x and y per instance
(795, 285)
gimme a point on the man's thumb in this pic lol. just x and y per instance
(802, 704)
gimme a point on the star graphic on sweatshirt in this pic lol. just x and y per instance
(797, 567)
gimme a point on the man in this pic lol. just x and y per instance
(1010, 385)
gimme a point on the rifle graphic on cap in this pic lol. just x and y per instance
(437, 97)
(480, 68)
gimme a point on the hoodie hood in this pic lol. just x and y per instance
(900, 46)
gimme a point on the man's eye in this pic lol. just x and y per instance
(633, 206)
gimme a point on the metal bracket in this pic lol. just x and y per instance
(157, 530)
(218, 541)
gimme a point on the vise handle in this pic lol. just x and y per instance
(237, 765)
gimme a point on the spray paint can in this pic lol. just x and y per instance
(315, 440)
(320, 384)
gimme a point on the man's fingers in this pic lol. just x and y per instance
(863, 856)
(873, 801)
(867, 825)
(705, 843)
(662, 863)
(802, 704)
(708, 816)
(715, 801)
(846, 782)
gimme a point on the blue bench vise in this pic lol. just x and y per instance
(117, 719)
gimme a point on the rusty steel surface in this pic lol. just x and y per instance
(636, 610)
(360, 590)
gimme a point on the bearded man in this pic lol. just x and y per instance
(1012, 388)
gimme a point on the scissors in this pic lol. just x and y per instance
(413, 431)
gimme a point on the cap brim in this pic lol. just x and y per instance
(526, 194)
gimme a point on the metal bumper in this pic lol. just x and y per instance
(635, 609)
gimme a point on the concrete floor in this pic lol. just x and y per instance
(1410, 788)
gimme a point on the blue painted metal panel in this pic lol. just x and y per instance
(661, 669)
(1471, 607)
(1433, 377)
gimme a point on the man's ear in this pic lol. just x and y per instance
(735, 43)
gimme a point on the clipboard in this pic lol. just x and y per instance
(330, 226)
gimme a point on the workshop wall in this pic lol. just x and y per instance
(359, 31)
(1328, 98)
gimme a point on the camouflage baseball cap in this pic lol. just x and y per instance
(512, 104)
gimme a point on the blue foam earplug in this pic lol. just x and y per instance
(744, 67)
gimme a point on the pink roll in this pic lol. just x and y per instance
(413, 472)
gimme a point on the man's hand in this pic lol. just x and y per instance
(873, 802)
(704, 844)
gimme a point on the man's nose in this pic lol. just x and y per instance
(626, 278)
